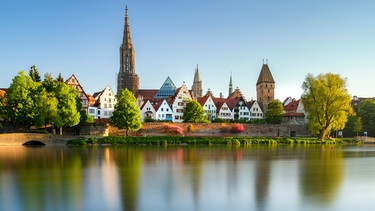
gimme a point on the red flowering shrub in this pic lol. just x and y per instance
(237, 128)
(173, 129)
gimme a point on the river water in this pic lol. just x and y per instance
(187, 178)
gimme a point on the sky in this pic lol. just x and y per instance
(173, 37)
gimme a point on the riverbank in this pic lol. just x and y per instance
(189, 140)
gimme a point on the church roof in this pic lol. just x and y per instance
(265, 75)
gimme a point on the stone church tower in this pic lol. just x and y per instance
(265, 87)
(197, 85)
(127, 78)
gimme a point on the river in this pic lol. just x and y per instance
(188, 178)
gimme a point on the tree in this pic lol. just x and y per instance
(194, 113)
(353, 126)
(275, 112)
(67, 113)
(46, 107)
(126, 114)
(21, 99)
(366, 110)
(60, 78)
(34, 74)
(327, 102)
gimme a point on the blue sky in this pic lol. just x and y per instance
(172, 37)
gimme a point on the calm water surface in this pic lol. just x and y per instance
(188, 178)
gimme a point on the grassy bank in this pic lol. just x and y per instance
(186, 140)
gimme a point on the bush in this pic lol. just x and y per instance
(237, 128)
(91, 140)
(190, 128)
(173, 129)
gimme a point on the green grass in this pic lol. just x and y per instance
(187, 140)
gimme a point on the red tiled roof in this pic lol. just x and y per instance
(147, 93)
(292, 106)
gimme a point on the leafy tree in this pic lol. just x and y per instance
(327, 102)
(275, 112)
(66, 97)
(34, 74)
(46, 107)
(126, 114)
(194, 113)
(366, 110)
(67, 108)
(353, 126)
(20, 98)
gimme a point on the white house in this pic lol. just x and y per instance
(180, 99)
(209, 106)
(223, 111)
(104, 105)
(147, 111)
(164, 111)
(255, 110)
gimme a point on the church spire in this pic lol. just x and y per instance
(197, 85)
(230, 85)
(127, 78)
(126, 39)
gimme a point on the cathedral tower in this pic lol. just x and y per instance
(265, 87)
(127, 78)
(197, 85)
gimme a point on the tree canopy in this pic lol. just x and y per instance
(21, 99)
(126, 114)
(327, 103)
(366, 110)
(194, 113)
(35, 103)
(275, 112)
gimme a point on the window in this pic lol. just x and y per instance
(110, 105)
(162, 109)
(105, 113)
(91, 111)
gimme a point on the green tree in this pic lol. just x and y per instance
(46, 107)
(366, 110)
(67, 108)
(34, 74)
(60, 78)
(126, 114)
(327, 101)
(353, 126)
(275, 112)
(67, 113)
(194, 113)
(20, 99)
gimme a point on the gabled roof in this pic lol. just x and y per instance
(265, 75)
(292, 106)
(232, 103)
(202, 100)
(236, 94)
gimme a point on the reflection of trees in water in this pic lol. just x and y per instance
(321, 174)
(129, 162)
(41, 174)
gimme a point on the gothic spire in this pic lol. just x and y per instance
(230, 85)
(197, 85)
(126, 39)
(197, 78)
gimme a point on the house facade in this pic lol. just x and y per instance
(104, 105)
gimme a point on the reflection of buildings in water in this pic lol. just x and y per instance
(110, 180)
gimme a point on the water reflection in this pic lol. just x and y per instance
(185, 178)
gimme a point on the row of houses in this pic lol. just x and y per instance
(168, 103)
